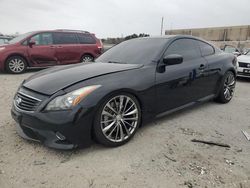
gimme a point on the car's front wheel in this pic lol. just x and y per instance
(227, 90)
(16, 65)
(117, 120)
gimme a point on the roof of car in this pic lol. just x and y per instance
(174, 36)
(62, 30)
(177, 37)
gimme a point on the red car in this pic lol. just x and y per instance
(49, 48)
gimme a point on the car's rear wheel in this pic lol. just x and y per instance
(117, 120)
(16, 65)
(87, 58)
(227, 90)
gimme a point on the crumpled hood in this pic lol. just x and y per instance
(54, 79)
(244, 58)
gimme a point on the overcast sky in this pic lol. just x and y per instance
(114, 18)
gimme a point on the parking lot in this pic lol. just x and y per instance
(160, 155)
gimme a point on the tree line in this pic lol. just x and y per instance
(120, 39)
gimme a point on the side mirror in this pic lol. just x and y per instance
(172, 59)
(31, 43)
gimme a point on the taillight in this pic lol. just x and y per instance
(99, 44)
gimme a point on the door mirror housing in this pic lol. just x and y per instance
(31, 43)
(172, 59)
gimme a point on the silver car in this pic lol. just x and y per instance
(244, 65)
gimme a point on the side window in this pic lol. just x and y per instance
(65, 38)
(42, 39)
(36, 39)
(206, 49)
(184, 47)
(86, 39)
(46, 39)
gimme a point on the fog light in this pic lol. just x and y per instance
(60, 136)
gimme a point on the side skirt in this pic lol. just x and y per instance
(204, 99)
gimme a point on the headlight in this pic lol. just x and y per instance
(2, 48)
(71, 99)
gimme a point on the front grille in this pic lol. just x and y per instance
(245, 65)
(26, 102)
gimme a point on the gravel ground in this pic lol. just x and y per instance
(160, 155)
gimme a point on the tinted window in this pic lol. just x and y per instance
(86, 39)
(206, 49)
(135, 51)
(65, 38)
(184, 47)
(42, 39)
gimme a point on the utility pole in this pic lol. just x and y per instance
(162, 19)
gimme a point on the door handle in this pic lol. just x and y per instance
(52, 47)
(59, 46)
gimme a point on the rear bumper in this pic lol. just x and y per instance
(69, 133)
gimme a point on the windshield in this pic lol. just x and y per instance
(135, 51)
(230, 49)
(19, 38)
(248, 53)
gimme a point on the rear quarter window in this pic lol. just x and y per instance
(206, 49)
(86, 39)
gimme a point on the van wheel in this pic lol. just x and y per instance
(87, 58)
(16, 65)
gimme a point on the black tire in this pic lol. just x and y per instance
(227, 89)
(99, 126)
(87, 58)
(16, 65)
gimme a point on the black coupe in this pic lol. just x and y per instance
(108, 100)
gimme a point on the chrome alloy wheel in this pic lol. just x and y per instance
(119, 118)
(16, 65)
(229, 86)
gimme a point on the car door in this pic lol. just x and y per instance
(183, 83)
(40, 50)
(214, 67)
(67, 47)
